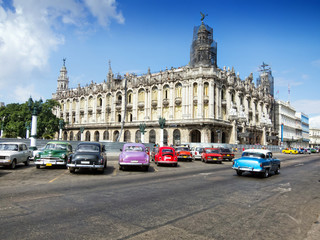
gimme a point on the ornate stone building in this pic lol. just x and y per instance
(200, 102)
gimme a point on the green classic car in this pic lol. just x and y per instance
(54, 154)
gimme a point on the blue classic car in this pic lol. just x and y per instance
(257, 161)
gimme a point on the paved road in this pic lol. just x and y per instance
(193, 201)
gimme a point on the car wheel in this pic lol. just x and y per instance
(101, 170)
(146, 168)
(27, 163)
(37, 166)
(13, 164)
(266, 173)
(239, 173)
(175, 165)
(71, 170)
(277, 171)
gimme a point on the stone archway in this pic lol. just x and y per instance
(127, 136)
(71, 136)
(88, 136)
(223, 137)
(176, 137)
(65, 136)
(195, 136)
(106, 135)
(96, 136)
(152, 136)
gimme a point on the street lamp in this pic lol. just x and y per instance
(142, 128)
(162, 123)
(35, 108)
(2, 126)
(61, 125)
(27, 125)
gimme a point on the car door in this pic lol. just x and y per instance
(272, 162)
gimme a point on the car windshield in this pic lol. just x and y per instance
(167, 151)
(199, 149)
(211, 151)
(253, 155)
(183, 149)
(9, 147)
(51, 146)
(88, 148)
(134, 149)
(225, 150)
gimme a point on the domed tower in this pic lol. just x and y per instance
(203, 48)
(63, 79)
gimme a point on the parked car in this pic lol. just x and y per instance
(290, 151)
(196, 153)
(89, 155)
(312, 150)
(226, 153)
(134, 154)
(183, 153)
(211, 155)
(13, 153)
(257, 161)
(301, 150)
(166, 155)
(307, 150)
(54, 154)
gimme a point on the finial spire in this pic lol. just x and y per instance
(64, 61)
(203, 16)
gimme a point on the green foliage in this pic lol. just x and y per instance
(15, 116)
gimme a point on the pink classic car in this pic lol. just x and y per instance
(134, 154)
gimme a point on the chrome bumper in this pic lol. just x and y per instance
(72, 165)
(133, 164)
(247, 169)
(43, 162)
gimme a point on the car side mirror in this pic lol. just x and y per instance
(120, 149)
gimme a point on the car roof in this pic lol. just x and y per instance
(58, 142)
(90, 143)
(264, 151)
(134, 144)
(166, 148)
(12, 143)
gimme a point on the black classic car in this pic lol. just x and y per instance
(89, 155)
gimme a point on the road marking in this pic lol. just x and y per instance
(300, 164)
(57, 177)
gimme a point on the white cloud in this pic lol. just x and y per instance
(314, 122)
(307, 106)
(305, 76)
(284, 82)
(32, 30)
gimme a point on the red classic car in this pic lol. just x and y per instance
(226, 153)
(211, 155)
(166, 155)
(183, 153)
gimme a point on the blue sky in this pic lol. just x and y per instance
(36, 35)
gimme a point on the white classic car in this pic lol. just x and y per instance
(13, 153)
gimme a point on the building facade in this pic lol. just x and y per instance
(200, 103)
(304, 121)
(314, 137)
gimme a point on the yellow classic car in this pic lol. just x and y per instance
(290, 151)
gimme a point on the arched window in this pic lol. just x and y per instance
(166, 92)
(206, 89)
(115, 135)
(165, 137)
(152, 136)
(88, 136)
(71, 136)
(106, 135)
(138, 136)
(176, 137)
(178, 90)
(195, 136)
(65, 136)
(119, 117)
(195, 89)
(96, 136)
(127, 136)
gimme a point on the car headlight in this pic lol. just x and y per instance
(37, 155)
(63, 156)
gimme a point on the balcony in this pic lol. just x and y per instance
(205, 100)
(165, 102)
(178, 101)
(154, 103)
(195, 101)
(223, 102)
(141, 105)
(129, 106)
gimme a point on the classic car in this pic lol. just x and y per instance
(312, 150)
(290, 151)
(166, 155)
(196, 152)
(134, 154)
(13, 153)
(211, 155)
(89, 155)
(53, 154)
(257, 161)
(183, 153)
(226, 153)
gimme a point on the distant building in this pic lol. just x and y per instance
(2, 104)
(200, 102)
(266, 79)
(287, 124)
(314, 137)
(303, 119)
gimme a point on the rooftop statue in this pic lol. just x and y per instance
(203, 16)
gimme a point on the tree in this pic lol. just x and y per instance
(16, 115)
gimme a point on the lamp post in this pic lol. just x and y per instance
(142, 128)
(35, 108)
(61, 125)
(82, 130)
(2, 126)
(162, 123)
(27, 124)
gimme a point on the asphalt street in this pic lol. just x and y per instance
(193, 201)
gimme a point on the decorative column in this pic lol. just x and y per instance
(142, 128)
(82, 135)
(2, 126)
(28, 129)
(162, 123)
(61, 125)
(35, 108)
